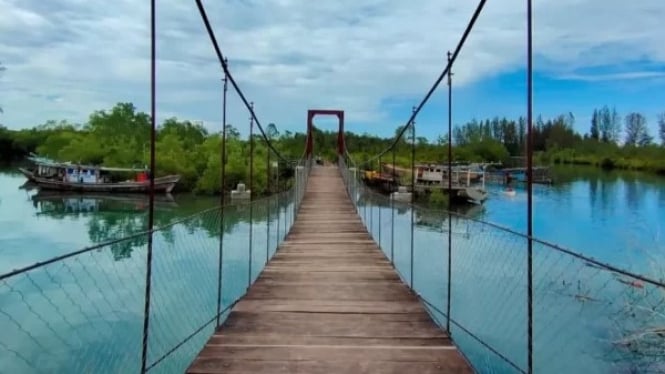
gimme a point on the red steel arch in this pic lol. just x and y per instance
(311, 113)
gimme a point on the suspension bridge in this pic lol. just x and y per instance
(325, 275)
(329, 302)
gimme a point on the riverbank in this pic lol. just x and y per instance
(646, 159)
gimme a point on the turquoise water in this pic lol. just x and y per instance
(85, 313)
(584, 316)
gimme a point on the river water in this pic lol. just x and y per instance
(587, 317)
(84, 313)
(614, 217)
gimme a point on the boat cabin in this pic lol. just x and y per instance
(68, 172)
(430, 174)
(81, 175)
(436, 174)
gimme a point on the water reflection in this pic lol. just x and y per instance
(607, 191)
(593, 193)
(111, 217)
(88, 308)
(435, 220)
(377, 210)
(58, 205)
(586, 316)
(632, 192)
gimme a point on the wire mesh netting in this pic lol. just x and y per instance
(76, 315)
(85, 312)
(148, 301)
(609, 319)
(587, 315)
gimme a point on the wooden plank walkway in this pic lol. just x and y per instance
(329, 302)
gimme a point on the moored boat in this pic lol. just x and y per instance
(467, 180)
(66, 176)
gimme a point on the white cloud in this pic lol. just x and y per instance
(615, 76)
(290, 55)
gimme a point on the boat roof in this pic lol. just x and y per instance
(52, 163)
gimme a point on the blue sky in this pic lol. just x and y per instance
(374, 59)
(505, 95)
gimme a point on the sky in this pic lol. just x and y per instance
(374, 59)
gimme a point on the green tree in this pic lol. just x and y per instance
(615, 126)
(271, 131)
(421, 141)
(594, 133)
(521, 128)
(661, 128)
(636, 130)
(609, 124)
(122, 133)
(192, 134)
(232, 132)
(605, 124)
(6, 145)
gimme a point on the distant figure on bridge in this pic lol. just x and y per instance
(318, 160)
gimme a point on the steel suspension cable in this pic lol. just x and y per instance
(222, 61)
(438, 81)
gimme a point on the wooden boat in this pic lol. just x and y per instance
(66, 176)
(468, 181)
(382, 181)
(461, 173)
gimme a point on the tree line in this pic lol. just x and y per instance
(612, 140)
(120, 137)
(606, 126)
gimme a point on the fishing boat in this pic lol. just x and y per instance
(66, 176)
(467, 181)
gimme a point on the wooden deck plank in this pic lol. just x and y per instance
(328, 277)
(224, 339)
(226, 366)
(329, 318)
(329, 353)
(329, 302)
(319, 306)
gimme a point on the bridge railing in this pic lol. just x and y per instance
(511, 302)
(472, 276)
(148, 301)
(83, 311)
